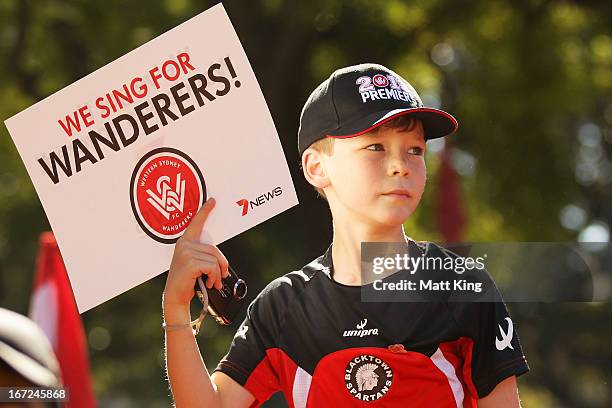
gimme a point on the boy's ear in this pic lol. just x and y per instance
(313, 166)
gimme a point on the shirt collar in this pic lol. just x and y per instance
(325, 263)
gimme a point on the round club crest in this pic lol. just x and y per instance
(166, 191)
(380, 81)
(367, 377)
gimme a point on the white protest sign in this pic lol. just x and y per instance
(123, 158)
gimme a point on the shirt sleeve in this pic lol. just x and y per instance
(250, 360)
(496, 352)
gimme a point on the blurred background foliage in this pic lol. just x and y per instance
(529, 80)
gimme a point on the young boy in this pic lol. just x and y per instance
(309, 334)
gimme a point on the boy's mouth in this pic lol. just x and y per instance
(398, 194)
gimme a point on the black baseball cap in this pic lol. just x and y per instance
(357, 99)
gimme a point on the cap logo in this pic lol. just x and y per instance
(384, 87)
(380, 80)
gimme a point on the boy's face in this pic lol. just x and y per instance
(364, 171)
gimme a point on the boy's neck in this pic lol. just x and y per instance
(346, 248)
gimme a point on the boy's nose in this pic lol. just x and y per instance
(399, 165)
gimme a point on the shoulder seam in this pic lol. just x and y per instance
(289, 306)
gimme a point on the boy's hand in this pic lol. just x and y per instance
(192, 259)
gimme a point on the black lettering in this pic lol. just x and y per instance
(180, 98)
(55, 161)
(97, 138)
(81, 154)
(278, 191)
(269, 195)
(220, 79)
(164, 110)
(126, 141)
(200, 89)
(228, 62)
(144, 117)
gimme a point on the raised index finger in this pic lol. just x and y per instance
(194, 229)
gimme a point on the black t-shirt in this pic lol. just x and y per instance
(316, 341)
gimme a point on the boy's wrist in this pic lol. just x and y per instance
(175, 313)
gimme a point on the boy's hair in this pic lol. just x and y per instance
(403, 123)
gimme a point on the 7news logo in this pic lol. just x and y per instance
(259, 200)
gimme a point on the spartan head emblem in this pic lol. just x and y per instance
(366, 378)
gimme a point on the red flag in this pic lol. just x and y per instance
(451, 216)
(54, 309)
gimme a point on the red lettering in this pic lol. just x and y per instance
(142, 88)
(86, 115)
(183, 59)
(119, 96)
(112, 104)
(155, 76)
(103, 107)
(171, 70)
(165, 70)
(73, 122)
(70, 124)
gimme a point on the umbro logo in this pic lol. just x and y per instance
(360, 330)
(506, 336)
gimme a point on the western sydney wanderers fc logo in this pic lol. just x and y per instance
(367, 377)
(166, 200)
(166, 190)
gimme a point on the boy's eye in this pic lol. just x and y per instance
(377, 147)
(417, 151)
